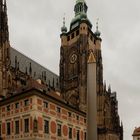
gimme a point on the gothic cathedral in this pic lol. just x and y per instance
(32, 94)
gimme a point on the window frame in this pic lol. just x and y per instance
(8, 128)
(17, 105)
(8, 108)
(59, 130)
(46, 127)
(78, 135)
(46, 104)
(17, 127)
(0, 129)
(70, 134)
(26, 102)
(26, 127)
(58, 109)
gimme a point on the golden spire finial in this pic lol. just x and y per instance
(64, 28)
(64, 20)
(97, 24)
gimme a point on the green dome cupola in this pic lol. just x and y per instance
(80, 10)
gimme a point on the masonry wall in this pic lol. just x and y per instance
(62, 123)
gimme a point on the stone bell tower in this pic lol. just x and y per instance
(75, 46)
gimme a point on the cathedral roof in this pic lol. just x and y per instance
(37, 71)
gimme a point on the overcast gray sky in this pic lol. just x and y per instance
(35, 28)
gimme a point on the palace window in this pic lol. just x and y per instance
(8, 128)
(77, 32)
(26, 102)
(0, 129)
(59, 130)
(78, 136)
(46, 126)
(77, 117)
(72, 36)
(26, 125)
(45, 104)
(58, 110)
(17, 127)
(69, 114)
(68, 38)
(17, 105)
(91, 37)
(85, 135)
(8, 108)
(70, 133)
(85, 121)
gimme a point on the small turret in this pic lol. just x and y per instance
(97, 33)
(64, 33)
(64, 28)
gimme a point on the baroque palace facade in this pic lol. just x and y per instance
(36, 104)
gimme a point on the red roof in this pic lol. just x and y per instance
(136, 132)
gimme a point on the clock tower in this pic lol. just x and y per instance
(75, 46)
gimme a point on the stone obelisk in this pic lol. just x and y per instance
(91, 98)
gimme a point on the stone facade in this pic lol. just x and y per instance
(35, 115)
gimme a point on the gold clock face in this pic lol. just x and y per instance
(73, 58)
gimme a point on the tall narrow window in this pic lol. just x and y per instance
(26, 102)
(17, 105)
(78, 136)
(77, 117)
(69, 114)
(45, 104)
(77, 32)
(70, 133)
(0, 130)
(8, 108)
(58, 110)
(8, 128)
(59, 130)
(17, 127)
(26, 125)
(46, 126)
(85, 136)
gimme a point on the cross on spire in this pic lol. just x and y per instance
(97, 33)
(64, 20)
(97, 24)
(64, 28)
